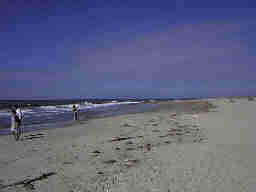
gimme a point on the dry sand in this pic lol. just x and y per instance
(157, 151)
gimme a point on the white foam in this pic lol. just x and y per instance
(27, 111)
(115, 103)
(5, 113)
(48, 107)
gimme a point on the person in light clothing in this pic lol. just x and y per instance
(19, 114)
(14, 121)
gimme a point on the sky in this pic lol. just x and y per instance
(163, 49)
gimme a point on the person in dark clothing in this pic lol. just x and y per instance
(75, 111)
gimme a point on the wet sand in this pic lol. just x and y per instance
(195, 148)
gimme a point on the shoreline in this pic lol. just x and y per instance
(162, 150)
(94, 114)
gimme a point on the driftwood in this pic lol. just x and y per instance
(111, 161)
(120, 138)
(28, 182)
(96, 151)
(34, 135)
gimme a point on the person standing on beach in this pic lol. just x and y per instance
(19, 114)
(14, 121)
(75, 111)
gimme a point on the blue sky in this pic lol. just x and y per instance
(182, 48)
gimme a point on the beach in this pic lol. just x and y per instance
(202, 145)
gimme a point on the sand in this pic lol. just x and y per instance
(191, 150)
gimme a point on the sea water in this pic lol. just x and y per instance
(55, 116)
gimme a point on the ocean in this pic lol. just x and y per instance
(58, 113)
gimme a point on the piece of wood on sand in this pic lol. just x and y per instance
(28, 182)
(119, 139)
